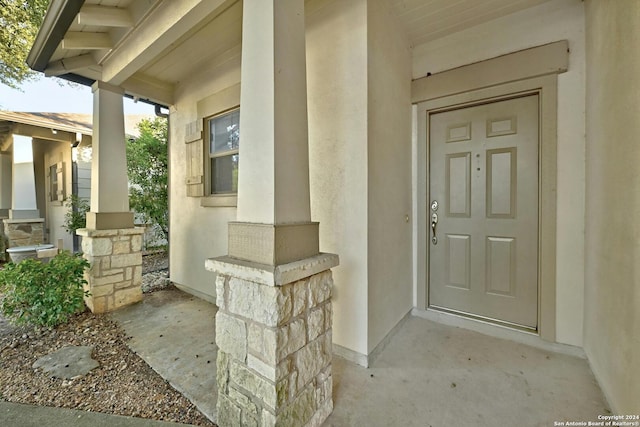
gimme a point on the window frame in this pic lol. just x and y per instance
(215, 104)
(55, 176)
(210, 156)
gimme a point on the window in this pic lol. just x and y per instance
(223, 135)
(56, 183)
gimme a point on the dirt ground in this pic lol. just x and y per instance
(123, 384)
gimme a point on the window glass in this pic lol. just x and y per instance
(224, 139)
(224, 174)
(53, 176)
(224, 132)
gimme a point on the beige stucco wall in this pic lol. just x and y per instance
(549, 22)
(197, 232)
(612, 300)
(52, 152)
(337, 88)
(337, 102)
(389, 172)
(40, 177)
(5, 181)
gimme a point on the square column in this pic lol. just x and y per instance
(273, 326)
(23, 227)
(273, 331)
(115, 276)
(6, 184)
(109, 182)
(111, 243)
(274, 216)
(23, 200)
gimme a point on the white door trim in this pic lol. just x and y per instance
(546, 88)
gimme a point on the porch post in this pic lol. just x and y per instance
(110, 241)
(273, 290)
(24, 226)
(6, 184)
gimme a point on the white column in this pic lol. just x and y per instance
(23, 202)
(109, 190)
(273, 187)
(6, 184)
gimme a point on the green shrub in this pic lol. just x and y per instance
(76, 215)
(43, 294)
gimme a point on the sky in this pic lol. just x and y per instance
(48, 95)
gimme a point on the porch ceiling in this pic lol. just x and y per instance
(427, 20)
(46, 126)
(149, 46)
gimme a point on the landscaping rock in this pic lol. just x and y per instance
(68, 362)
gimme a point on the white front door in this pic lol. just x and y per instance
(483, 210)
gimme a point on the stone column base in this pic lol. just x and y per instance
(24, 232)
(273, 331)
(115, 276)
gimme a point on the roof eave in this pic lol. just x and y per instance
(59, 17)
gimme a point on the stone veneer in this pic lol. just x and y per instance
(24, 232)
(115, 276)
(274, 343)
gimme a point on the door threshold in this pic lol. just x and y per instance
(522, 336)
(484, 319)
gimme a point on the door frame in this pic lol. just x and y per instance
(538, 78)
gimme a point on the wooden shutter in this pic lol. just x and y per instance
(195, 159)
(59, 197)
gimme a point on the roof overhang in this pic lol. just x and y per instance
(144, 47)
(56, 23)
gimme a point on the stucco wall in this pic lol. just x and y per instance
(612, 323)
(5, 181)
(389, 173)
(337, 102)
(47, 153)
(197, 232)
(38, 169)
(549, 22)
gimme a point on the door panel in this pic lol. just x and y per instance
(484, 176)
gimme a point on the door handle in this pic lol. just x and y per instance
(434, 223)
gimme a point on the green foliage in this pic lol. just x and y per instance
(43, 294)
(19, 23)
(76, 215)
(147, 170)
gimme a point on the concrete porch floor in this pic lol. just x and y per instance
(428, 375)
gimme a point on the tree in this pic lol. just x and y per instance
(147, 170)
(19, 23)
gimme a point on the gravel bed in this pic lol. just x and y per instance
(123, 384)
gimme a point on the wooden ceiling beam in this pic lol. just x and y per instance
(86, 41)
(96, 15)
(149, 88)
(69, 65)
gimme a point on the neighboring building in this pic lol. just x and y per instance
(61, 167)
(518, 117)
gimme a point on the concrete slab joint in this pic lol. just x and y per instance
(274, 345)
(115, 276)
